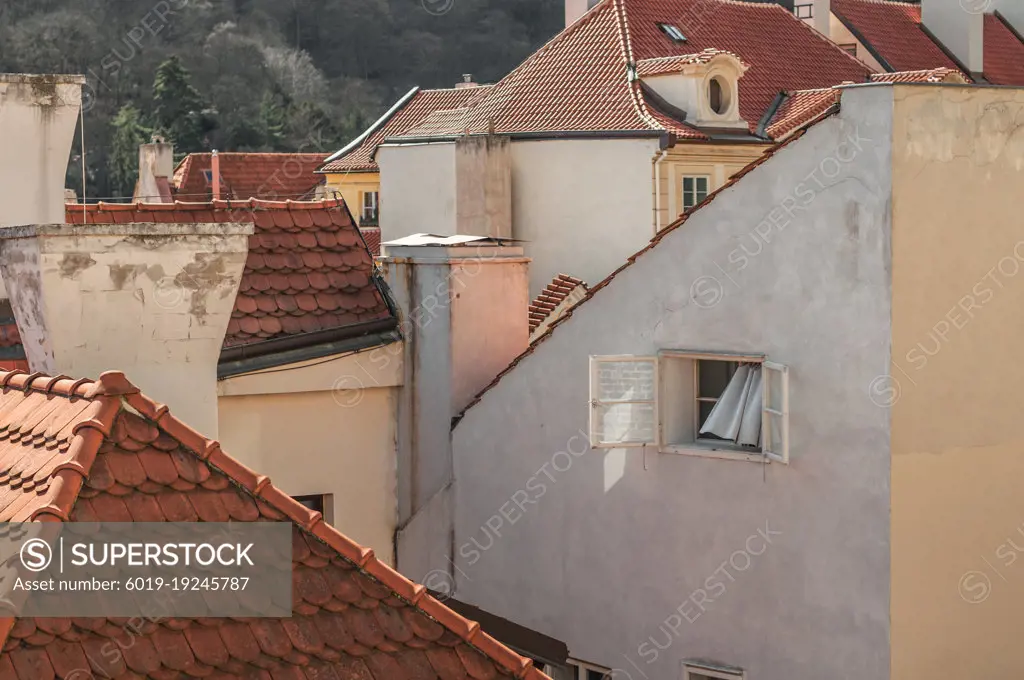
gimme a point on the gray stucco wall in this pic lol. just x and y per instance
(639, 560)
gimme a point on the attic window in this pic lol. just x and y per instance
(672, 32)
(718, 98)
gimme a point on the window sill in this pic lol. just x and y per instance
(710, 450)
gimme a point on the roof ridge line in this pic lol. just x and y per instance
(263, 490)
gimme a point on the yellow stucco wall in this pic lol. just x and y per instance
(958, 419)
(324, 428)
(351, 186)
(717, 161)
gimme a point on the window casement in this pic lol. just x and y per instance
(703, 670)
(369, 212)
(720, 405)
(673, 32)
(695, 190)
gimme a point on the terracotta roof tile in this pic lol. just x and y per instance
(165, 471)
(1004, 53)
(553, 295)
(268, 176)
(893, 32)
(421, 104)
(308, 271)
(934, 75)
(797, 108)
(579, 80)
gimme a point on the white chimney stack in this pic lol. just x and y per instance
(821, 13)
(152, 300)
(156, 162)
(38, 115)
(957, 25)
(574, 9)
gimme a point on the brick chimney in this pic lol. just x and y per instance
(465, 315)
(574, 9)
(152, 300)
(156, 170)
(38, 115)
(959, 26)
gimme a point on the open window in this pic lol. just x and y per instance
(712, 404)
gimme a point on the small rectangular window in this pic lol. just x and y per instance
(805, 11)
(700, 670)
(369, 208)
(695, 190)
(623, 406)
(672, 32)
(849, 47)
(321, 502)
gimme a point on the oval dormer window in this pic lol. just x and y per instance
(718, 96)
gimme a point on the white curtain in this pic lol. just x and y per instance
(737, 414)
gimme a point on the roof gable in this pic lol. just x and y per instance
(78, 450)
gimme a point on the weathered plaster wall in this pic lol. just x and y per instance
(324, 428)
(38, 114)
(152, 300)
(585, 203)
(483, 175)
(417, 186)
(958, 448)
(640, 560)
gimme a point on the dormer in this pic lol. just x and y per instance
(705, 86)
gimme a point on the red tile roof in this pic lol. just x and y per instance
(935, 75)
(659, 65)
(269, 176)
(410, 112)
(579, 81)
(1004, 53)
(307, 269)
(553, 295)
(372, 237)
(77, 450)
(797, 108)
(769, 153)
(893, 32)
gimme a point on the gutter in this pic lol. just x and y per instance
(667, 138)
(289, 349)
(395, 108)
(657, 190)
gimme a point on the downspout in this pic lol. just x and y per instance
(657, 191)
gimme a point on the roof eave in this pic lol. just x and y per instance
(378, 124)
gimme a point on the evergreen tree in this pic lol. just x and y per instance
(123, 162)
(179, 111)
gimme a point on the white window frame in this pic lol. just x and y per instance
(692, 669)
(673, 32)
(705, 448)
(595, 403)
(804, 11)
(375, 204)
(682, 189)
(584, 666)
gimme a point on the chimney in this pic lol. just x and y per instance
(215, 174)
(465, 315)
(574, 9)
(959, 26)
(821, 13)
(38, 116)
(152, 300)
(156, 168)
(467, 81)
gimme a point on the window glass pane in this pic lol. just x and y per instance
(625, 381)
(705, 411)
(688, 184)
(773, 435)
(713, 376)
(624, 423)
(702, 184)
(774, 391)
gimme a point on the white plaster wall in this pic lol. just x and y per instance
(582, 206)
(417, 190)
(1012, 11)
(604, 549)
(960, 30)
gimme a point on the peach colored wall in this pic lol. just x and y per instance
(957, 426)
(324, 428)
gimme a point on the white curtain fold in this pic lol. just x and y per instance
(736, 415)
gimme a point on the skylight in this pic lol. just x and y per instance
(673, 32)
